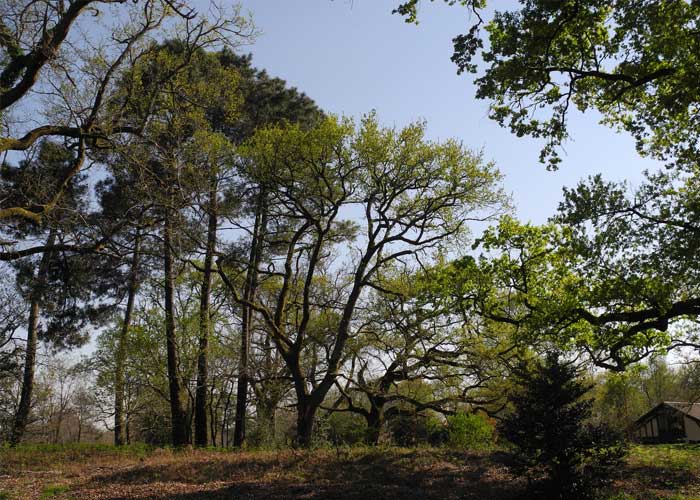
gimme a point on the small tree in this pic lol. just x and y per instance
(469, 431)
(566, 457)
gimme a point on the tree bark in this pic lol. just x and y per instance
(200, 406)
(306, 414)
(180, 434)
(119, 417)
(25, 401)
(375, 420)
(247, 319)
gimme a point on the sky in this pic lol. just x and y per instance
(354, 56)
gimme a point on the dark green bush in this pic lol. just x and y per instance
(346, 428)
(410, 428)
(563, 456)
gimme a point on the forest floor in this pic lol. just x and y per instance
(103, 472)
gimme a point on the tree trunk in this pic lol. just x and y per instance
(213, 427)
(224, 419)
(25, 401)
(375, 421)
(306, 414)
(119, 417)
(57, 431)
(308, 404)
(247, 320)
(177, 412)
(200, 406)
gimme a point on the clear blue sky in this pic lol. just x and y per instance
(352, 56)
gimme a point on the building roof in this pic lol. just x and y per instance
(691, 410)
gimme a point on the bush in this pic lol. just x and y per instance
(346, 428)
(410, 428)
(469, 431)
(564, 457)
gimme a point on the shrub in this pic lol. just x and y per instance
(411, 428)
(469, 431)
(564, 457)
(346, 428)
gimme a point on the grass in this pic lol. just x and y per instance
(52, 491)
(663, 471)
(668, 472)
(669, 456)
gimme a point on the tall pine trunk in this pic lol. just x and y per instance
(119, 416)
(256, 246)
(25, 401)
(180, 434)
(200, 406)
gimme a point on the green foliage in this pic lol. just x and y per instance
(630, 60)
(565, 456)
(345, 428)
(619, 400)
(469, 431)
(633, 252)
(53, 491)
(545, 287)
(678, 457)
(413, 194)
(409, 9)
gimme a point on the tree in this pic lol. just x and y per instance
(414, 195)
(181, 143)
(58, 283)
(265, 101)
(412, 332)
(656, 274)
(538, 281)
(547, 425)
(146, 388)
(618, 401)
(632, 61)
(13, 311)
(36, 37)
(123, 198)
(32, 36)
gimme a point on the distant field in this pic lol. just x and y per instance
(104, 472)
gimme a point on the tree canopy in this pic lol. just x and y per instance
(634, 62)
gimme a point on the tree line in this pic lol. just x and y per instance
(237, 255)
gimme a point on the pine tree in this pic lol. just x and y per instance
(564, 456)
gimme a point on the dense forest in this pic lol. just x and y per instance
(194, 253)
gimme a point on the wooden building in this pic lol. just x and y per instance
(669, 422)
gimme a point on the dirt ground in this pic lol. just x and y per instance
(362, 474)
